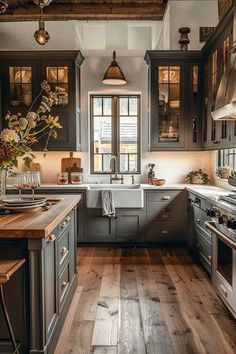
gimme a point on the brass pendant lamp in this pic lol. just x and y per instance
(114, 75)
(41, 35)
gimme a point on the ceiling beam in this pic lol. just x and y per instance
(90, 11)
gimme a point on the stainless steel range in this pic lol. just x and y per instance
(223, 230)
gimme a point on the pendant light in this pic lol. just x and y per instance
(41, 35)
(114, 75)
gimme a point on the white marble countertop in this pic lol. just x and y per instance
(203, 190)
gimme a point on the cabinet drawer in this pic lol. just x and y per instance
(63, 247)
(64, 282)
(163, 232)
(204, 250)
(165, 196)
(64, 224)
(160, 212)
(199, 221)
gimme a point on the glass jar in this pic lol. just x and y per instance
(62, 178)
(77, 177)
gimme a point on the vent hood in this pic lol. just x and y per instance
(225, 106)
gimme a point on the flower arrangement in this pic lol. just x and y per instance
(22, 132)
(198, 177)
(223, 172)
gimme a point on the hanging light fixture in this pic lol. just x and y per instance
(41, 35)
(3, 6)
(114, 75)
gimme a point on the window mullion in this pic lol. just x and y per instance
(115, 130)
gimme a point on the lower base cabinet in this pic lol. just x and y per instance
(46, 287)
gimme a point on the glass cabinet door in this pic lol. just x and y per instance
(20, 85)
(169, 104)
(57, 77)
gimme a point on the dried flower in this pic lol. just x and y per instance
(53, 122)
(8, 135)
(23, 122)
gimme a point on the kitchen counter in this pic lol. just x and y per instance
(37, 224)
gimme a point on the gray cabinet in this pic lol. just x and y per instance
(130, 225)
(127, 226)
(99, 228)
(46, 286)
(166, 214)
(199, 237)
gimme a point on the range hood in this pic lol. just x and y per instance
(225, 105)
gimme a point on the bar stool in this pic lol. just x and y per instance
(7, 269)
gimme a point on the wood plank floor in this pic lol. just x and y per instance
(145, 301)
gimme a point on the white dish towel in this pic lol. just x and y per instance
(108, 207)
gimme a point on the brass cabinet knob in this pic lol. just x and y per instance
(198, 221)
(63, 224)
(209, 258)
(165, 197)
(68, 218)
(164, 232)
(165, 216)
(63, 250)
(51, 238)
(63, 285)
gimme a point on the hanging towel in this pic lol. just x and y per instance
(108, 207)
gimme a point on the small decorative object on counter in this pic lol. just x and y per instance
(223, 172)
(184, 40)
(157, 181)
(77, 176)
(62, 178)
(198, 177)
(151, 172)
(70, 163)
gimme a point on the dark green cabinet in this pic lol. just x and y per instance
(130, 225)
(21, 76)
(175, 100)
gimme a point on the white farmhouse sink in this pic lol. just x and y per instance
(124, 195)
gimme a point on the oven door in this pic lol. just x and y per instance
(223, 266)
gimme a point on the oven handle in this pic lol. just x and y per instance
(227, 241)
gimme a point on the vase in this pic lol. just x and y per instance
(3, 183)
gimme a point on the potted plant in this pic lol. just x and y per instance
(198, 177)
(223, 172)
(232, 178)
(16, 141)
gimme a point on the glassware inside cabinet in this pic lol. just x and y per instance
(169, 103)
(57, 76)
(20, 81)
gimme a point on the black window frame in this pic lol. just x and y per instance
(115, 131)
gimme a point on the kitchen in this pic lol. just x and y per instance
(117, 178)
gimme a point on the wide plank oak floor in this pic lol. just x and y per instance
(145, 301)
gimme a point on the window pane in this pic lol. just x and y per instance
(128, 163)
(124, 106)
(133, 106)
(97, 106)
(102, 134)
(107, 106)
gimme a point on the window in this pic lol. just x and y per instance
(115, 130)
(227, 157)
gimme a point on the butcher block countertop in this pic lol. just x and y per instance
(38, 224)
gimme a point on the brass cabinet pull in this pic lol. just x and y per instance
(164, 232)
(209, 257)
(63, 224)
(68, 218)
(51, 238)
(165, 216)
(63, 285)
(165, 197)
(63, 250)
(198, 221)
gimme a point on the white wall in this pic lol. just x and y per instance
(189, 13)
(170, 165)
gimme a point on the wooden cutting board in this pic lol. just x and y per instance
(67, 163)
(35, 167)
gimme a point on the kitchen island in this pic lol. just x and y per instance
(39, 295)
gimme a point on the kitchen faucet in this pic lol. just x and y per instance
(114, 170)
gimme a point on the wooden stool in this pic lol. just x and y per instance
(7, 269)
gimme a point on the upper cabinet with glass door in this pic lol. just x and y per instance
(174, 124)
(21, 76)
